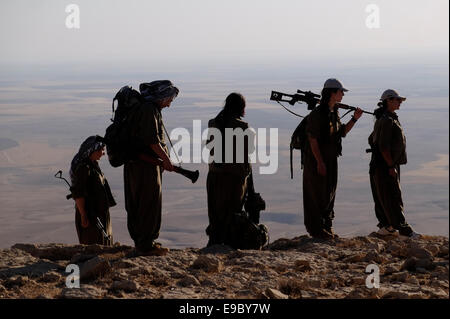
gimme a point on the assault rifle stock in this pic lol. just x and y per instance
(192, 175)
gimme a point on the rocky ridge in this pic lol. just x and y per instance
(301, 267)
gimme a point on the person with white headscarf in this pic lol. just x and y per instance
(91, 193)
(143, 180)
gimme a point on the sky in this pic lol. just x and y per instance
(234, 31)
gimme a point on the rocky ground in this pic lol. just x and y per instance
(301, 267)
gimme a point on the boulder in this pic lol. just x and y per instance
(363, 293)
(302, 265)
(2, 289)
(390, 269)
(208, 264)
(137, 271)
(16, 281)
(126, 285)
(409, 264)
(413, 281)
(401, 276)
(94, 268)
(51, 276)
(374, 257)
(433, 249)
(443, 251)
(395, 294)
(425, 263)
(85, 292)
(275, 294)
(188, 281)
(419, 252)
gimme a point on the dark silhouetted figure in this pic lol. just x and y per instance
(142, 180)
(388, 144)
(226, 183)
(325, 132)
(91, 193)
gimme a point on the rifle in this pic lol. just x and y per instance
(254, 203)
(98, 223)
(310, 98)
(106, 237)
(193, 176)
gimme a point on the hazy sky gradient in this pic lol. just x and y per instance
(258, 31)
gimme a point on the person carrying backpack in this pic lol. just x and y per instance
(325, 132)
(388, 145)
(91, 193)
(227, 181)
(142, 180)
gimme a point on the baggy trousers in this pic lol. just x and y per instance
(143, 198)
(91, 234)
(319, 193)
(225, 191)
(387, 196)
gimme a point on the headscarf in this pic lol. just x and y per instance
(90, 145)
(158, 90)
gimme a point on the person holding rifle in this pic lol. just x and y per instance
(91, 193)
(142, 180)
(325, 132)
(388, 145)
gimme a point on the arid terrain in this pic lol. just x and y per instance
(301, 267)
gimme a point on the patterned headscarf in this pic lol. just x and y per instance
(89, 146)
(158, 90)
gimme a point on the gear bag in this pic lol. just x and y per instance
(119, 145)
(299, 141)
(245, 234)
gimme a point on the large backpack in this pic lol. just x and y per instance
(299, 141)
(119, 145)
(245, 234)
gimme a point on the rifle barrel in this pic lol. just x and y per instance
(302, 96)
(352, 108)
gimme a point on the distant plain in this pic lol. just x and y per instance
(45, 117)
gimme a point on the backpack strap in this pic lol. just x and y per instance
(112, 107)
(292, 172)
(170, 141)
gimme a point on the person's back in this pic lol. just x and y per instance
(235, 158)
(226, 183)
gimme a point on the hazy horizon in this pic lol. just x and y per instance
(44, 120)
(57, 83)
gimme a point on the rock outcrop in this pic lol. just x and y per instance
(301, 267)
